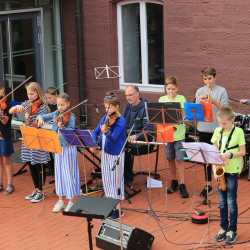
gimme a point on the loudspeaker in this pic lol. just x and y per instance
(109, 237)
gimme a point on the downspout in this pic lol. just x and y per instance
(80, 51)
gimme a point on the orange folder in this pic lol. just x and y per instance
(208, 111)
(41, 139)
(165, 133)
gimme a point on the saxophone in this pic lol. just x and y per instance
(219, 171)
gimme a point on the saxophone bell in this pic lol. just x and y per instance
(219, 172)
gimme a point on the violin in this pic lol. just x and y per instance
(32, 109)
(3, 106)
(63, 118)
(109, 121)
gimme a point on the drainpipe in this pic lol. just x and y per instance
(80, 50)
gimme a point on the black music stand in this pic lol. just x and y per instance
(164, 112)
(92, 208)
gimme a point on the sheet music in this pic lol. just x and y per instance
(197, 151)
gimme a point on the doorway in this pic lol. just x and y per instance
(21, 50)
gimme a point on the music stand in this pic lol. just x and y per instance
(202, 152)
(206, 154)
(164, 112)
(79, 138)
(92, 208)
(194, 112)
(41, 139)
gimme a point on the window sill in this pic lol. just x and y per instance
(145, 87)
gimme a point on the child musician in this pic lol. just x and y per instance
(6, 146)
(34, 106)
(67, 180)
(51, 96)
(231, 144)
(173, 153)
(218, 97)
(111, 133)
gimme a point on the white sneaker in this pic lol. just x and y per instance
(58, 206)
(30, 196)
(69, 206)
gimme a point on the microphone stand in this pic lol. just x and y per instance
(117, 161)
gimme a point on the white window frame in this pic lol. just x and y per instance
(145, 85)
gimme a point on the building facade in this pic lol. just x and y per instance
(61, 43)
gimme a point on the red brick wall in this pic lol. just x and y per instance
(70, 49)
(208, 33)
(197, 34)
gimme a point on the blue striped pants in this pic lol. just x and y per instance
(67, 179)
(113, 180)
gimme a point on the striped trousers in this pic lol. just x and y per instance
(113, 180)
(67, 179)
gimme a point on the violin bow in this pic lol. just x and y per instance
(16, 88)
(69, 110)
(74, 107)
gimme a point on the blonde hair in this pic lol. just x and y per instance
(226, 111)
(34, 86)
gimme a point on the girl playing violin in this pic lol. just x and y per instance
(67, 180)
(6, 146)
(112, 134)
(34, 106)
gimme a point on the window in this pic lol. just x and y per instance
(30, 42)
(140, 44)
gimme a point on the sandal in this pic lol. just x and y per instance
(1, 187)
(9, 190)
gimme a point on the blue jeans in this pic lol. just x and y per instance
(228, 203)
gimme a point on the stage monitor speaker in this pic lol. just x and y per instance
(109, 237)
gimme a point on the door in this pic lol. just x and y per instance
(20, 50)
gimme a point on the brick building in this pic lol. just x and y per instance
(147, 39)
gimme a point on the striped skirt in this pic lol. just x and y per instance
(34, 156)
(113, 180)
(67, 180)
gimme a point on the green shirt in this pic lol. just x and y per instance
(233, 165)
(180, 131)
